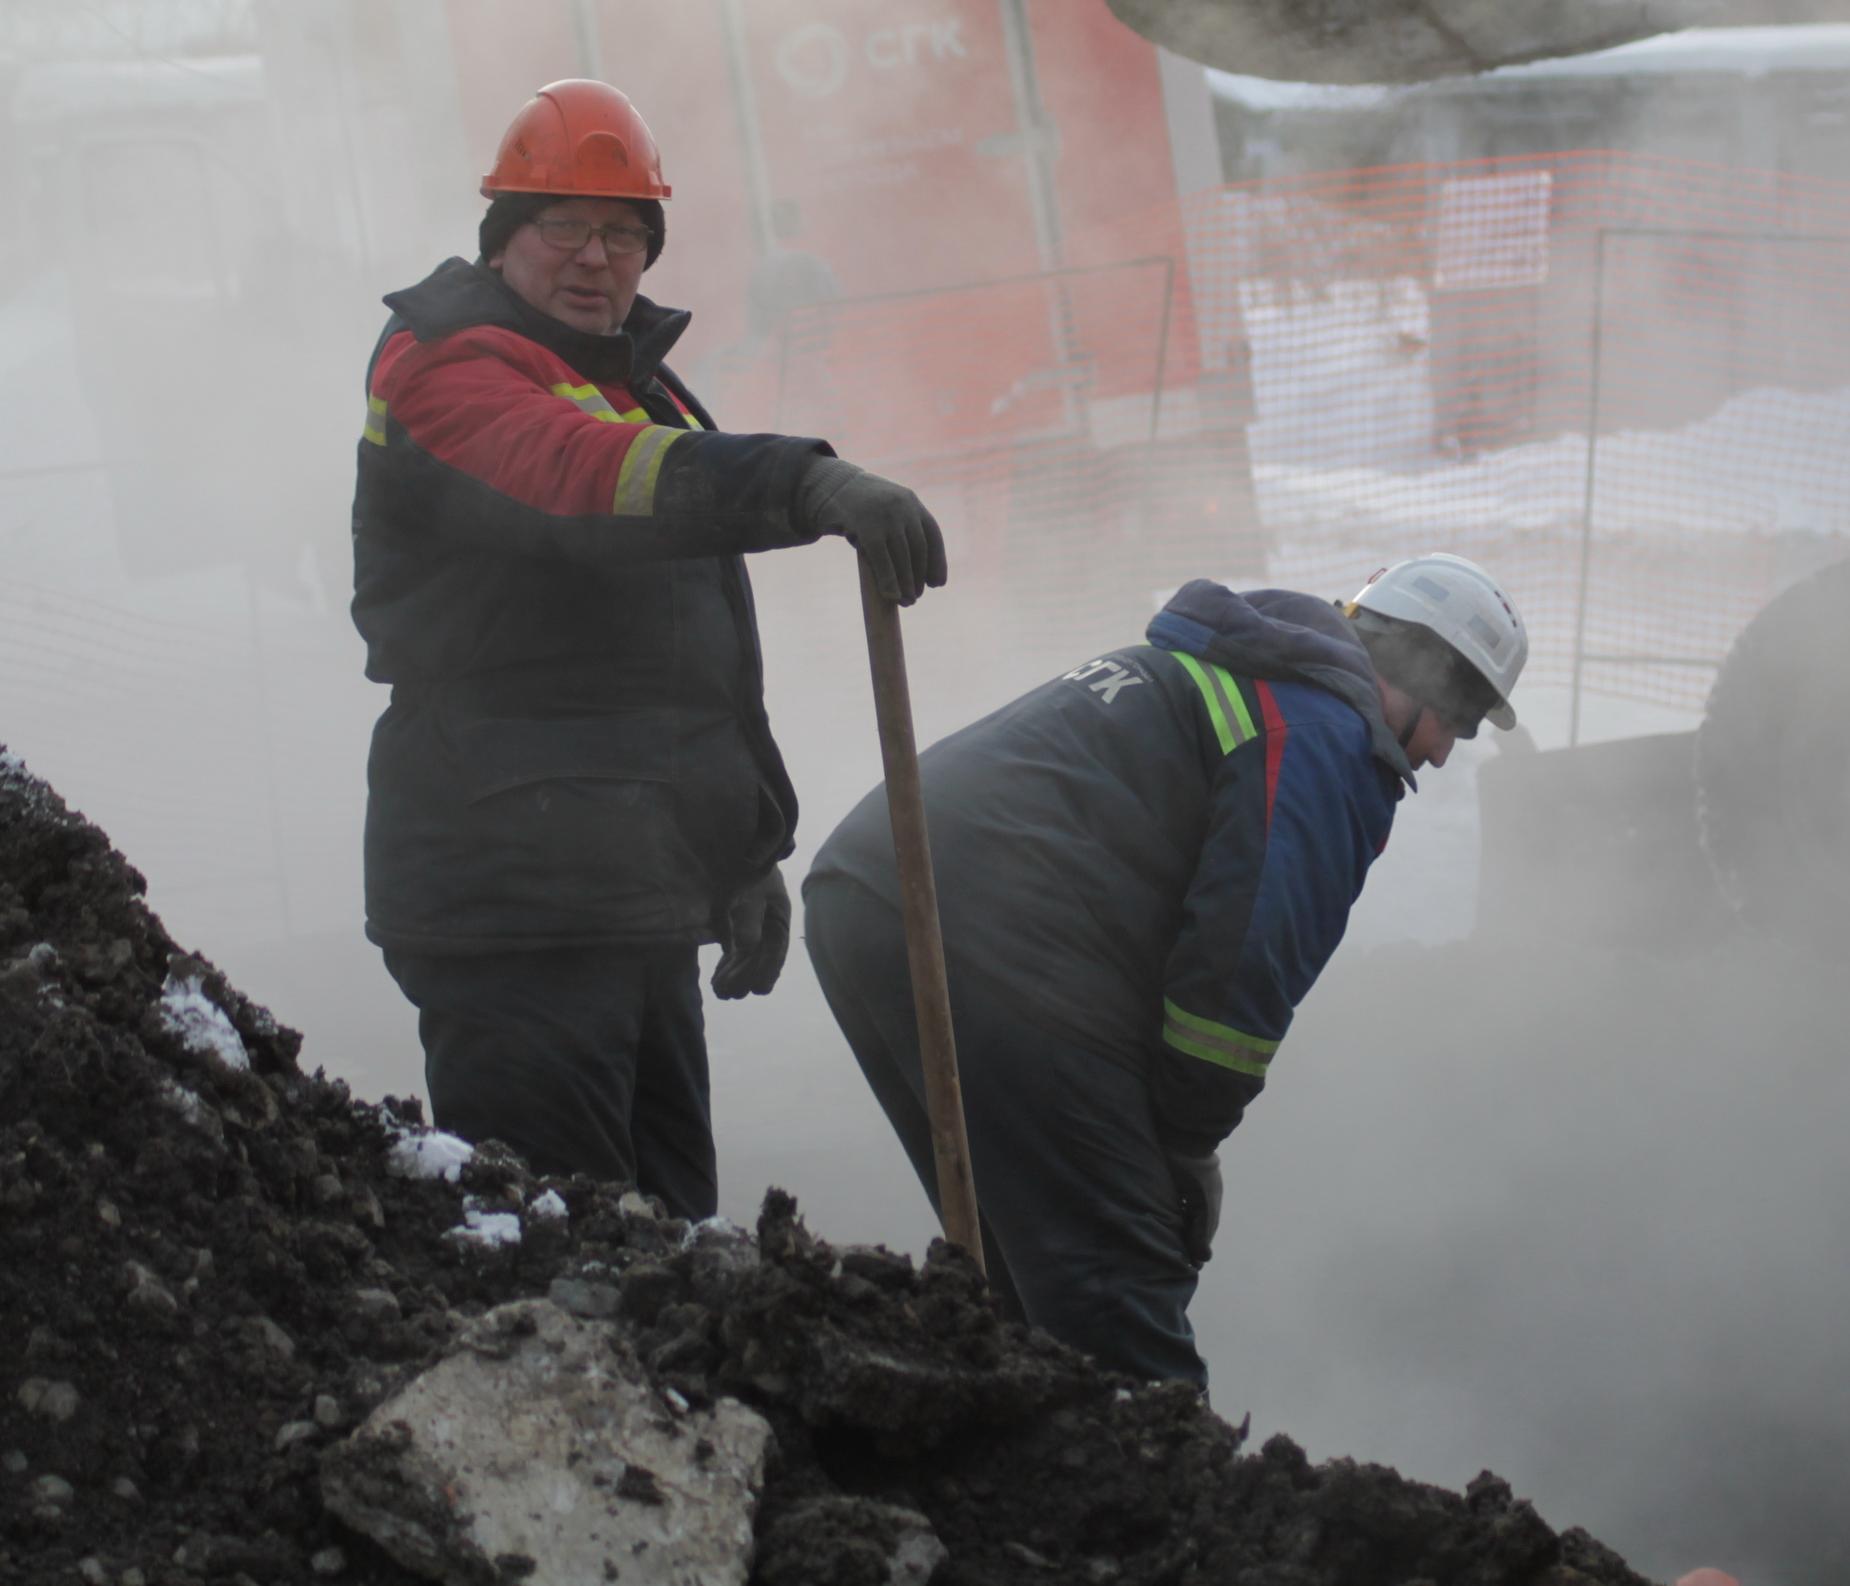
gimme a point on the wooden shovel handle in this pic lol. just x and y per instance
(944, 1103)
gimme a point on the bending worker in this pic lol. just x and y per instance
(574, 785)
(1142, 867)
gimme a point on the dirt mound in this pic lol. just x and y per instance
(213, 1265)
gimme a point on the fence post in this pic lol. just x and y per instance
(1586, 509)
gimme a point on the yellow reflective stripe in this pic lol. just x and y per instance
(592, 401)
(641, 416)
(635, 494)
(1215, 1043)
(374, 428)
(1233, 722)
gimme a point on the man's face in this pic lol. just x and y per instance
(590, 287)
(1434, 734)
(1432, 740)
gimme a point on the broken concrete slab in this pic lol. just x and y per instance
(537, 1449)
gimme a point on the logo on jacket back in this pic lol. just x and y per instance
(1110, 678)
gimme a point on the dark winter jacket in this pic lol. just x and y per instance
(1158, 851)
(547, 570)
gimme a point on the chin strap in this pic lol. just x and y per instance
(1413, 726)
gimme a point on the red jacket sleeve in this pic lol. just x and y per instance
(500, 451)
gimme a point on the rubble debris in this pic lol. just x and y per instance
(538, 1438)
(235, 1321)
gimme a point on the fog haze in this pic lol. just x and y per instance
(1549, 1182)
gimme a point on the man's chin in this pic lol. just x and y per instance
(584, 317)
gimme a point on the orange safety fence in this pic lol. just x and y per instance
(1293, 381)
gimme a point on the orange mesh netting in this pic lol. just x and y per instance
(1295, 381)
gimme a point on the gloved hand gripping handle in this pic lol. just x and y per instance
(898, 539)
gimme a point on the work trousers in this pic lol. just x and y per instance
(1081, 1217)
(584, 1060)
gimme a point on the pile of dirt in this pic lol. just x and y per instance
(213, 1266)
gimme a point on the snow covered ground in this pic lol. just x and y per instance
(1344, 441)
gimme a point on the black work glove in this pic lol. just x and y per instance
(885, 522)
(1198, 1180)
(755, 936)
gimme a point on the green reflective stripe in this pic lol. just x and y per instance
(642, 465)
(690, 421)
(374, 427)
(1215, 1043)
(1218, 1032)
(592, 401)
(1233, 722)
(1222, 730)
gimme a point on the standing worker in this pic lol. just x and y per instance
(574, 785)
(1142, 867)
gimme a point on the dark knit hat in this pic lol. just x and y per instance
(510, 211)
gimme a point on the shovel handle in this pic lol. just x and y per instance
(944, 1103)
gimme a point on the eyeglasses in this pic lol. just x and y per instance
(568, 236)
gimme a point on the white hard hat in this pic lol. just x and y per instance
(1462, 604)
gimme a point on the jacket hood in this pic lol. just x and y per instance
(1284, 637)
(458, 294)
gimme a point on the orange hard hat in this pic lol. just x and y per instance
(580, 139)
(1707, 1577)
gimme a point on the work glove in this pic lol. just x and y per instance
(885, 522)
(1198, 1180)
(755, 936)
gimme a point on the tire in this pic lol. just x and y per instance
(1773, 765)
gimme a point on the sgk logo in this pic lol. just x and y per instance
(814, 59)
(1113, 678)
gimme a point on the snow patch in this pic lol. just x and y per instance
(189, 1013)
(433, 1154)
(550, 1206)
(715, 1224)
(489, 1229)
(1267, 94)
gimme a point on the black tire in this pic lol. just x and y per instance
(1773, 765)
